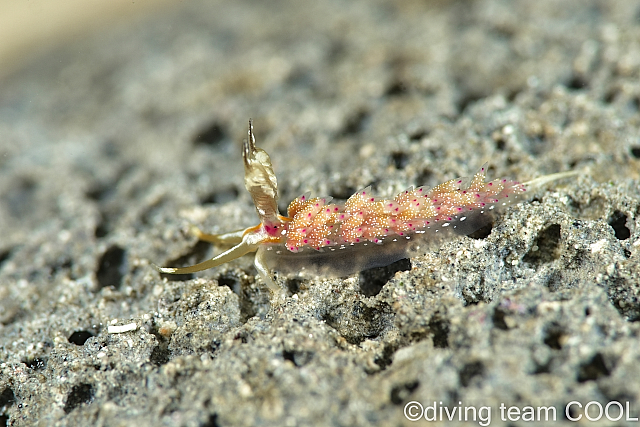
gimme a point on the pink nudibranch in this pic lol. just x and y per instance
(334, 239)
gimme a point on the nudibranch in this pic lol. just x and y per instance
(325, 238)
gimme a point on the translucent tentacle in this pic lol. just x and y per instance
(237, 251)
(232, 238)
(260, 179)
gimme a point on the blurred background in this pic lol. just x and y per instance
(34, 26)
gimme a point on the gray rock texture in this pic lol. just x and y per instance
(111, 146)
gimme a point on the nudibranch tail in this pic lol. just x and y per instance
(545, 179)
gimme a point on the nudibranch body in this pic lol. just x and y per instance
(326, 238)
